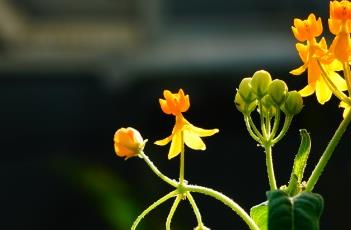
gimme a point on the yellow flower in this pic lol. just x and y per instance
(312, 52)
(183, 131)
(128, 142)
(340, 25)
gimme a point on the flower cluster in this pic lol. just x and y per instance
(324, 64)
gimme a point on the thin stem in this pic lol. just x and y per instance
(276, 123)
(181, 169)
(251, 130)
(270, 169)
(156, 171)
(227, 201)
(153, 206)
(285, 128)
(347, 76)
(263, 129)
(172, 211)
(252, 124)
(318, 170)
(195, 209)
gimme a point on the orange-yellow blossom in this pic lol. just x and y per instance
(340, 25)
(308, 29)
(312, 52)
(128, 142)
(183, 132)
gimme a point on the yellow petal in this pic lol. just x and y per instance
(307, 91)
(176, 145)
(298, 71)
(192, 140)
(202, 132)
(338, 81)
(323, 92)
(164, 141)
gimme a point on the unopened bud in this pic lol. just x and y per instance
(246, 91)
(278, 90)
(293, 104)
(260, 83)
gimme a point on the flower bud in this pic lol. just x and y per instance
(128, 142)
(260, 83)
(278, 90)
(268, 106)
(245, 91)
(293, 104)
(243, 106)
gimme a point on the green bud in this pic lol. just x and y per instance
(278, 90)
(293, 104)
(268, 106)
(239, 102)
(260, 83)
(242, 106)
(245, 90)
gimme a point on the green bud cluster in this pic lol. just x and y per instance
(272, 95)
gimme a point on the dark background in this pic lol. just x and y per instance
(72, 73)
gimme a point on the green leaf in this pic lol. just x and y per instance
(300, 161)
(259, 214)
(301, 212)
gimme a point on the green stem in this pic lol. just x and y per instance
(195, 209)
(252, 130)
(153, 206)
(285, 128)
(181, 169)
(227, 201)
(172, 211)
(156, 171)
(270, 168)
(327, 153)
(263, 126)
(276, 123)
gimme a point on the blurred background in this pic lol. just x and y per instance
(72, 72)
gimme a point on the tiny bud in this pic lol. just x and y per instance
(245, 90)
(242, 106)
(128, 142)
(260, 83)
(293, 104)
(278, 90)
(268, 106)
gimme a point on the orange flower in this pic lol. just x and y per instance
(128, 142)
(307, 29)
(174, 103)
(340, 25)
(312, 52)
(183, 131)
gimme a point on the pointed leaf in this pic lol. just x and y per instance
(259, 214)
(301, 212)
(300, 160)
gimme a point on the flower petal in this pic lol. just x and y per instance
(176, 145)
(307, 91)
(164, 141)
(193, 140)
(338, 81)
(202, 132)
(299, 70)
(323, 92)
